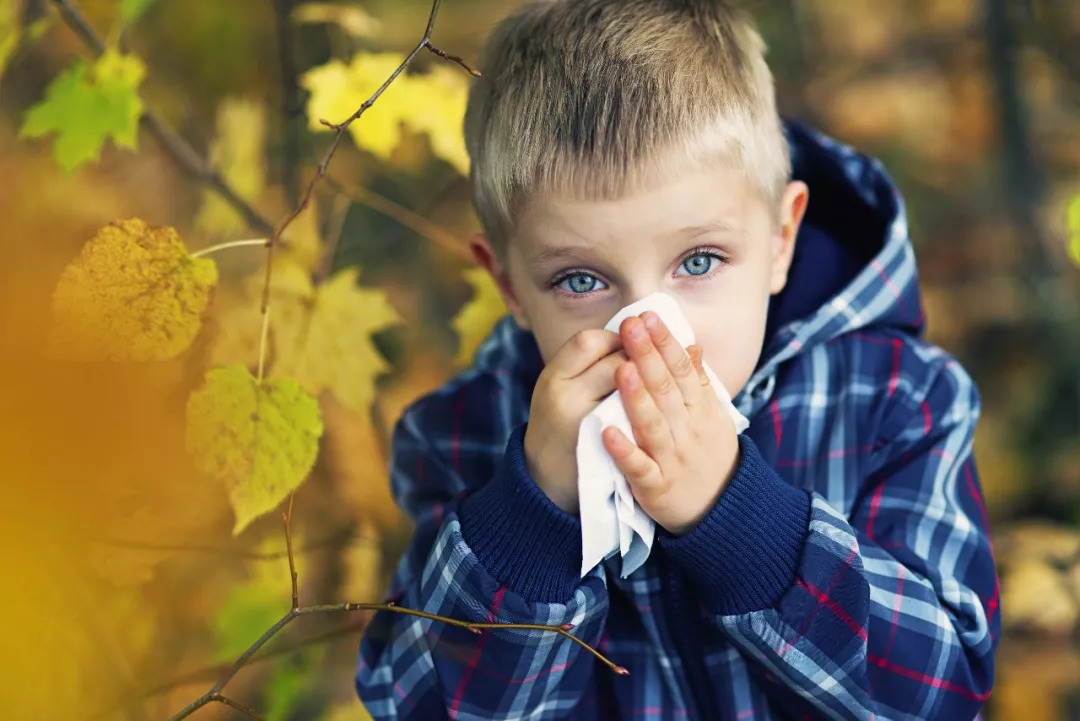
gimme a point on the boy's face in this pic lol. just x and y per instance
(705, 238)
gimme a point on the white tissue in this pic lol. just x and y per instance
(611, 520)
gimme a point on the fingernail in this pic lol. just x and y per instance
(636, 331)
(650, 320)
(631, 377)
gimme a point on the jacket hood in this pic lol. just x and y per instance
(853, 265)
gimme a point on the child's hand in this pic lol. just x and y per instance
(576, 379)
(687, 445)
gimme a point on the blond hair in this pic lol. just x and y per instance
(594, 99)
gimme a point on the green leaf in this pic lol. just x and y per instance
(253, 605)
(85, 106)
(259, 438)
(1073, 221)
(291, 680)
(132, 10)
(9, 32)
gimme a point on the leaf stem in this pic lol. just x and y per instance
(230, 244)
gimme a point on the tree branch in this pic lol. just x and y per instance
(176, 147)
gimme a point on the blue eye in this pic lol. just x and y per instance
(578, 283)
(700, 263)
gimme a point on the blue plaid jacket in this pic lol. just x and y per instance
(845, 572)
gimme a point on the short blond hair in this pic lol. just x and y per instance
(593, 99)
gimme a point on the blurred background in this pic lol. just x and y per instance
(127, 593)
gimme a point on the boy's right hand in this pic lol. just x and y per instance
(578, 377)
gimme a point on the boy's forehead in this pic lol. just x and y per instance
(693, 205)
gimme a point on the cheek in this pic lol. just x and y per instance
(732, 345)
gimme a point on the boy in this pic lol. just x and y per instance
(832, 561)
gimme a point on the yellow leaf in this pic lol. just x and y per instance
(319, 336)
(432, 103)
(133, 294)
(475, 321)
(353, 20)
(1037, 597)
(238, 154)
(334, 352)
(260, 439)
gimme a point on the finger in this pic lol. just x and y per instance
(651, 428)
(696, 354)
(681, 367)
(641, 471)
(654, 370)
(598, 380)
(582, 350)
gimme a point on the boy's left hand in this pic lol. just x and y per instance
(687, 448)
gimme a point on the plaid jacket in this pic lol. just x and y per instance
(846, 571)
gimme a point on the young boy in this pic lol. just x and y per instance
(830, 562)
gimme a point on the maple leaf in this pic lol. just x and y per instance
(260, 438)
(238, 153)
(432, 103)
(85, 105)
(133, 294)
(477, 318)
(319, 335)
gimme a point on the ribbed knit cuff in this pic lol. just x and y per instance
(525, 541)
(742, 556)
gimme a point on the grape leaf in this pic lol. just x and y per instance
(476, 319)
(85, 105)
(133, 294)
(132, 10)
(319, 335)
(432, 103)
(259, 438)
(238, 154)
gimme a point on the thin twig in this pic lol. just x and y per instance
(342, 539)
(233, 704)
(469, 69)
(179, 149)
(230, 244)
(263, 333)
(287, 517)
(415, 222)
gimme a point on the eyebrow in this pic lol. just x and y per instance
(688, 233)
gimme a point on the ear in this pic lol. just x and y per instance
(792, 208)
(484, 253)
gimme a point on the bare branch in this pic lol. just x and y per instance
(178, 149)
(442, 54)
(233, 704)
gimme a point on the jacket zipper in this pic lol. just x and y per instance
(681, 625)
